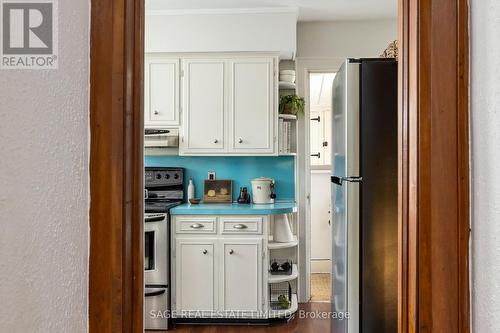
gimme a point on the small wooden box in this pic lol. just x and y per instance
(218, 191)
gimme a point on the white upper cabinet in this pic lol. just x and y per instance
(252, 105)
(162, 94)
(204, 106)
(229, 105)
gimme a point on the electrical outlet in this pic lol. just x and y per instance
(211, 175)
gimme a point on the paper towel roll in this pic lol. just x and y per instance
(282, 232)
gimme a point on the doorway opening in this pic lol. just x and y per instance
(320, 106)
(120, 215)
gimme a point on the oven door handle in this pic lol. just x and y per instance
(150, 292)
(154, 219)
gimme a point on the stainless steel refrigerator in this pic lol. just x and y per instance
(364, 197)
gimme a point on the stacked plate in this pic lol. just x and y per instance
(287, 75)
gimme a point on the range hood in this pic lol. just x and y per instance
(161, 138)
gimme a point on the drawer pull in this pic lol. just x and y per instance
(231, 251)
(197, 226)
(239, 226)
(205, 251)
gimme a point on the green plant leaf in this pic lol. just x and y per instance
(293, 103)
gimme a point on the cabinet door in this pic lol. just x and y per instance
(204, 105)
(241, 288)
(195, 275)
(252, 106)
(161, 91)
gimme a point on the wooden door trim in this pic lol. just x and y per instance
(430, 33)
(434, 167)
(116, 166)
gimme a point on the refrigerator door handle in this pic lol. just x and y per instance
(339, 180)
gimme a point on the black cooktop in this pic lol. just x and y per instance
(159, 206)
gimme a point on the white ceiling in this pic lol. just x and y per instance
(309, 10)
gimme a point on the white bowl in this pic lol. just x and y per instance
(287, 78)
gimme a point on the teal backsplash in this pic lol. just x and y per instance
(240, 169)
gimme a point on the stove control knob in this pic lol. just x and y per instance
(176, 176)
(167, 176)
(158, 176)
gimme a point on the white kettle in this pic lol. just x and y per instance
(263, 191)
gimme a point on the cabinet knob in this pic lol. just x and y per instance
(156, 112)
(231, 251)
(196, 226)
(240, 140)
(205, 251)
(216, 141)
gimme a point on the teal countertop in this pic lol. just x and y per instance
(235, 209)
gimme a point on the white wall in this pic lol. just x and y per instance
(222, 32)
(44, 186)
(485, 131)
(345, 38)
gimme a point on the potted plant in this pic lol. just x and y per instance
(292, 104)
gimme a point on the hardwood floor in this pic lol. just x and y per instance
(297, 325)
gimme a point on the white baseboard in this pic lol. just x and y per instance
(321, 266)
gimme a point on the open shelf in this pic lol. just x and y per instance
(284, 278)
(272, 245)
(284, 85)
(288, 312)
(287, 134)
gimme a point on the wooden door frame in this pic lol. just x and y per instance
(434, 196)
(116, 166)
(433, 166)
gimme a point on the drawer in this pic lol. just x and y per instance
(242, 225)
(195, 225)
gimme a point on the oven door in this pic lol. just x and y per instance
(156, 249)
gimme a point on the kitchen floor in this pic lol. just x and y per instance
(320, 287)
(298, 325)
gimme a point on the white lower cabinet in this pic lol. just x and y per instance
(216, 275)
(195, 274)
(242, 275)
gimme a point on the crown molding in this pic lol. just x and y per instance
(223, 11)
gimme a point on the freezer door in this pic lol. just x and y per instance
(345, 126)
